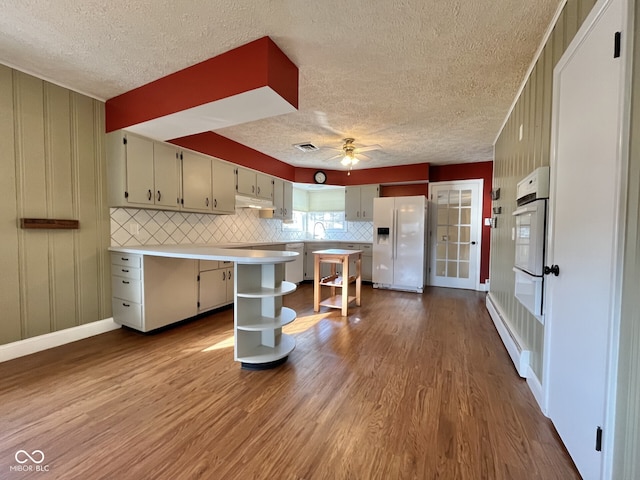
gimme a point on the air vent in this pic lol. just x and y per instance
(306, 147)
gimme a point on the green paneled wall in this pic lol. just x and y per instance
(627, 440)
(514, 159)
(53, 166)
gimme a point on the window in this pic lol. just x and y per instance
(320, 224)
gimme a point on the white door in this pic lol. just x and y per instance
(456, 215)
(583, 236)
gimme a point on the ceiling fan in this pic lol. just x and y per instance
(350, 153)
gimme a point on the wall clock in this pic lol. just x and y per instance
(320, 177)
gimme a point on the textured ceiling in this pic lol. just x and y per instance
(429, 80)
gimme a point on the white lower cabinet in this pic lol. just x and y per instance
(152, 292)
(259, 316)
(215, 284)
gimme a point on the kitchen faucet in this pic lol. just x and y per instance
(324, 231)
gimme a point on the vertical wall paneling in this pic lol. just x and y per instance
(514, 159)
(32, 202)
(10, 325)
(53, 166)
(87, 191)
(60, 202)
(627, 434)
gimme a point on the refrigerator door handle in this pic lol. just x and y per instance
(394, 254)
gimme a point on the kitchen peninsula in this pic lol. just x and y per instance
(156, 285)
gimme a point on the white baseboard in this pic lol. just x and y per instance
(483, 287)
(55, 339)
(536, 388)
(513, 344)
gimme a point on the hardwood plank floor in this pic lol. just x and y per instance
(407, 387)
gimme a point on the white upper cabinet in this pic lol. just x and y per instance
(264, 186)
(254, 184)
(224, 192)
(359, 202)
(282, 199)
(142, 173)
(166, 174)
(288, 201)
(196, 182)
(245, 182)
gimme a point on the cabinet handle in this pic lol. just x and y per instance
(207, 201)
(224, 276)
(124, 270)
(215, 202)
(357, 214)
(285, 211)
(229, 276)
(125, 305)
(253, 189)
(364, 214)
(125, 282)
(124, 259)
(149, 195)
(159, 195)
(258, 190)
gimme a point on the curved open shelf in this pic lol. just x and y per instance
(264, 354)
(287, 315)
(284, 289)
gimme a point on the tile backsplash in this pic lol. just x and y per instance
(130, 226)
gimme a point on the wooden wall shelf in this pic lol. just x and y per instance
(50, 223)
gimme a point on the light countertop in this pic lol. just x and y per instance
(210, 252)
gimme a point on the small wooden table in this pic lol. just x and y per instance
(336, 256)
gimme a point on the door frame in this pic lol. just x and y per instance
(432, 218)
(622, 161)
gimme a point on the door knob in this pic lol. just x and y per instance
(473, 243)
(553, 269)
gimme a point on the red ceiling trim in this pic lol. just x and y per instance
(257, 64)
(211, 143)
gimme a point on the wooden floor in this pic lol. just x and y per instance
(407, 387)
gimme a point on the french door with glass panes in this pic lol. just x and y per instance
(454, 235)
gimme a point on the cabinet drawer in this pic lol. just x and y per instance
(126, 289)
(127, 313)
(126, 272)
(126, 259)
(206, 265)
(366, 248)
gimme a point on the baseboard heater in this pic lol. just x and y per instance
(519, 355)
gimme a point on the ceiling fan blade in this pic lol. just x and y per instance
(368, 148)
(366, 157)
(323, 122)
(336, 156)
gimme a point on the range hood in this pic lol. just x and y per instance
(243, 201)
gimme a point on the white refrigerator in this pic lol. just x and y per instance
(399, 243)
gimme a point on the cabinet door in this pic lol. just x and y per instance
(367, 194)
(264, 186)
(166, 174)
(352, 203)
(224, 192)
(245, 182)
(278, 198)
(212, 289)
(140, 186)
(288, 201)
(196, 182)
(230, 284)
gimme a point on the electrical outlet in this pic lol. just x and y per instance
(487, 222)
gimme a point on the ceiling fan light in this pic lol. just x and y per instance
(346, 160)
(354, 160)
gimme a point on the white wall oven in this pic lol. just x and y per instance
(529, 236)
